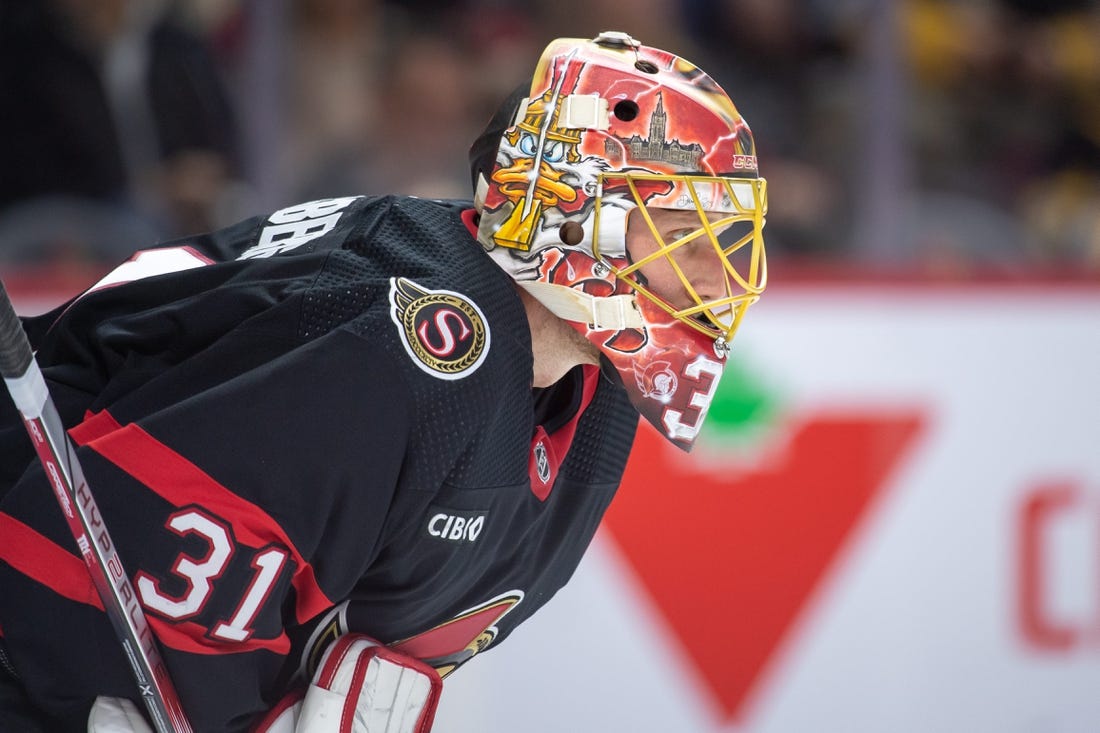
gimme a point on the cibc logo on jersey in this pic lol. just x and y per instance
(444, 332)
(456, 526)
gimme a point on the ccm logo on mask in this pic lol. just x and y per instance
(456, 528)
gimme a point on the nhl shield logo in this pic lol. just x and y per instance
(444, 332)
(542, 462)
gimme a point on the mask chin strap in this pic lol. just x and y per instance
(613, 313)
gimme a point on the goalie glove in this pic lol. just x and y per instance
(361, 687)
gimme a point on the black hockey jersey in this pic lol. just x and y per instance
(310, 422)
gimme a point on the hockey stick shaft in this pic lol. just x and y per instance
(27, 387)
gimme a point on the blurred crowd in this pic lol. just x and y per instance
(935, 135)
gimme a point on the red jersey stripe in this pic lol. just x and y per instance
(180, 482)
(40, 559)
(190, 637)
(562, 438)
(95, 425)
(556, 445)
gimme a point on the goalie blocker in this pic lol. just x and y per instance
(359, 687)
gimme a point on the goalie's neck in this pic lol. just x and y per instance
(556, 347)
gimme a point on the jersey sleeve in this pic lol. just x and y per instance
(243, 510)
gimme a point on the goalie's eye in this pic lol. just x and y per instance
(678, 234)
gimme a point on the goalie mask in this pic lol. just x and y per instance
(621, 191)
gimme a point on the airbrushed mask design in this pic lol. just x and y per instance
(614, 141)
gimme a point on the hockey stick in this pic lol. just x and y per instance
(28, 389)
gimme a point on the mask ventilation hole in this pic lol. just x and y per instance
(646, 67)
(626, 110)
(571, 233)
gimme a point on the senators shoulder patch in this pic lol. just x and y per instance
(444, 332)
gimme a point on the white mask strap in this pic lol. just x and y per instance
(613, 313)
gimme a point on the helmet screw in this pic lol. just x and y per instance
(721, 347)
(600, 269)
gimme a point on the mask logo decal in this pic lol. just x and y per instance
(657, 147)
(444, 332)
(445, 646)
(536, 175)
(656, 380)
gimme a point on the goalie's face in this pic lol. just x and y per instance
(693, 271)
(701, 267)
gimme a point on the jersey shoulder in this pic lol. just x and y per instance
(453, 325)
